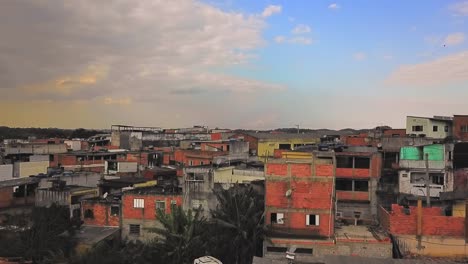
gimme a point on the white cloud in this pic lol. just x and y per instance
(271, 10)
(359, 56)
(334, 6)
(280, 39)
(454, 39)
(301, 29)
(142, 45)
(459, 9)
(300, 40)
(445, 70)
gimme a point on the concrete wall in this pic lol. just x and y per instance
(427, 125)
(419, 188)
(39, 158)
(232, 175)
(199, 191)
(433, 246)
(87, 179)
(6, 172)
(35, 149)
(73, 144)
(26, 169)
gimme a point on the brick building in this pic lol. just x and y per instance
(101, 211)
(139, 207)
(460, 127)
(299, 202)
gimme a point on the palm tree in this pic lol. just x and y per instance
(239, 219)
(180, 237)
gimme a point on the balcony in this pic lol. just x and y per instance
(421, 164)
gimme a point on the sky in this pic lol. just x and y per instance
(231, 64)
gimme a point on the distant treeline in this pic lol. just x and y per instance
(24, 133)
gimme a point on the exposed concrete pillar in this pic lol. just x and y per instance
(419, 222)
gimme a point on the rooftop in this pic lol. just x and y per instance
(19, 181)
(263, 135)
(155, 190)
(436, 118)
(353, 233)
(93, 234)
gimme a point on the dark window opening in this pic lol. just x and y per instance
(435, 128)
(417, 128)
(361, 163)
(89, 214)
(361, 186)
(51, 157)
(111, 165)
(227, 148)
(344, 162)
(303, 251)
(437, 179)
(344, 185)
(285, 146)
(115, 210)
(277, 218)
(450, 155)
(134, 230)
(277, 249)
(446, 128)
(312, 220)
(464, 128)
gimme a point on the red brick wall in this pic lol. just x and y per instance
(149, 212)
(275, 194)
(376, 166)
(458, 122)
(102, 214)
(253, 142)
(311, 195)
(433, 222)
(324, 170)
(301, 170)
(6, 197)
(276, 169)
(391, 132)
(216, 136)
(344, 172)
(278, 153)
(355, 141)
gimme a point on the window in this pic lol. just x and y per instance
(418, 177)
(437, 179)
(115, 210)
(312, 220)
(134, 230)
(190, 162)
(303, 251)
(285, 146)
(361, 186)
(435, 128)
(344, 185)
(344, 162)
(173, 202)
(51, 157)
(277, 218)
(446, 128)
(161, 205)
(464, 128)
(277, 249)
(361, 163)
(201, 162)
(89, 214)
(417, 128)
(138, 203)
(450, 155)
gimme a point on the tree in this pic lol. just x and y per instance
(180, 239)
(239, 223)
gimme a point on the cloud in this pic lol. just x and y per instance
(280, 39)
(334, 6)
(459, 9)
(271, 10)
(454, 39)
(442, 71)
(301, 29)
(300, 40)
(138, 49)
(359, 56)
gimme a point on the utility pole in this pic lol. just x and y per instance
(428, 180)
(297, 128)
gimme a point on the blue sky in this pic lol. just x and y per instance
(248, 64)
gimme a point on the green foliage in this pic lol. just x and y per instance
(238, 231)
(180, 239)
(24, 133)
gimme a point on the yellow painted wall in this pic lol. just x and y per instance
(266, 148)
(297, 155)
(434, 246)
(27, 169)
(458, 209)
(227, 175)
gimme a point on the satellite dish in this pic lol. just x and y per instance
(288, 193)
(105, 195)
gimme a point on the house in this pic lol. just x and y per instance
(17, 192)
(438, 127)
(412, 174)
(139, 207)
(460, 127)
(264, 144)
(425, 231)
(61, 194)
(301, 204)
(101, 210)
